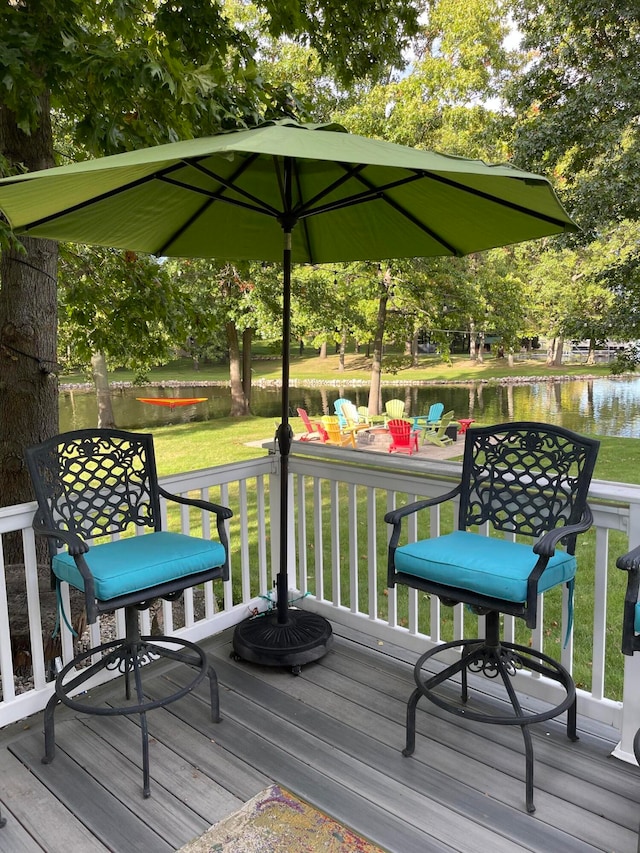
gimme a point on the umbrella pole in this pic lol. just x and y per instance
(284, 637)
(284, 436)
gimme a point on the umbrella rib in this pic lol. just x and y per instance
(256, 207)
(93, 200)
(350, 172)
(305, 229)
(375, 193)
(372, 192)
(512, 205)
(217, 196)
(228, 183)
(180, 231)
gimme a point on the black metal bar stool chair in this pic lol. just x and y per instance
(94, 483)
(529, 479)
(630, 563)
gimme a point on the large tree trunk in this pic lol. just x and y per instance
(342, 350)
(472, 341)
(238, 400)
(551, 343)
(28, 324)
(415, 352)
(375, 395)
(103, 392)
(559, 349)
(247, 338)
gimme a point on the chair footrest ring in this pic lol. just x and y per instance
(502, 661)
(126, 656)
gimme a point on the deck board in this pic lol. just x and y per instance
(333, 736)
(453, 739)
(475, 790)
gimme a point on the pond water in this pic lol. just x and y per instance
(603, 406)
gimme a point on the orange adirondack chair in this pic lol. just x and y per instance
(404, 439)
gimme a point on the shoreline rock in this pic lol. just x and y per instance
(300, 383)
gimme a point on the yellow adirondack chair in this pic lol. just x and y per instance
(352, 418)
(335, 433)
(370, 419)
(394, 410)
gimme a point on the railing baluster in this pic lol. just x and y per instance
(335, 542)
(353, 546)
(372, 553)
(252, 488)
(6, 657)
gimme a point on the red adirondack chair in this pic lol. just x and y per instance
(314, 429)
(404, 439)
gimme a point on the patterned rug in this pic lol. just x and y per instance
(275, 821)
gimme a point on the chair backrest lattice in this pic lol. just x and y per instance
(96, 482)
(525, 478)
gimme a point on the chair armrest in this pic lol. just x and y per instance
(546, 545)
(221, 511)
(74, 543)
(630, 562)
(396, 515)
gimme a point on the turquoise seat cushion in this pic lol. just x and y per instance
(139, 562)
(486, 565)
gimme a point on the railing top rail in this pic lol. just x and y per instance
(215, 476)
(398, 477)
(17, 516)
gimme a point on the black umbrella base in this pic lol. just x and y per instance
(302, 638)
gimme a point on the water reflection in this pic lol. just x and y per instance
(602, 406)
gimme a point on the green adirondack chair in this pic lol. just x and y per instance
(438, 436)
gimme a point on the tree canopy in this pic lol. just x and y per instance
(578, 102)
(86, 78)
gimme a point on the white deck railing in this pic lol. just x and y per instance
(337, 559)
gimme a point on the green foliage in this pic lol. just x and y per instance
(126, 74)
(626, 360)
(121, 304)
(579, 99)
(357, 39)
(458, 61)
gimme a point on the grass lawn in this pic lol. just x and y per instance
(357, 367)
(188, 447)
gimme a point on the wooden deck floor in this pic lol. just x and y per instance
(333, 736)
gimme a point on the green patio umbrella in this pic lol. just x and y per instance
(300, 193)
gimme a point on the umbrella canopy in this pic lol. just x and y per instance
(225, 196)
(296, 192)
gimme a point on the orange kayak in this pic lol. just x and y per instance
(171, 402)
